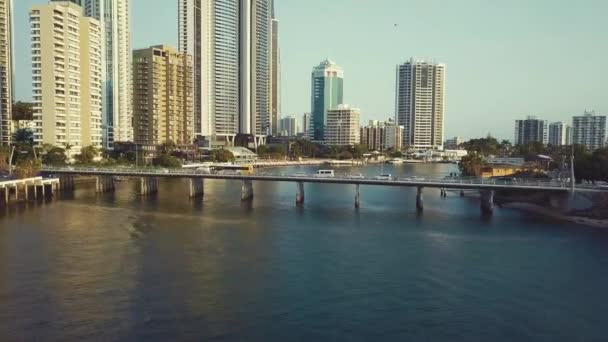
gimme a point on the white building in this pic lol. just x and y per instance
(393, 136)
(343, 126)
(115, 20)
(453, 143)
(6, 70)
(420, 103)
(589, 130)
(559, 134)
(66, 76)
(230, 41)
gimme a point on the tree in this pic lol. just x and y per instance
(27, 168)
(4, 155)
(55, 156)
(483, 146)
(165, 160)
(23, 111)
(358, 151)
(344, 155)
(396, 154)
(222, 156)
(87, 155)
(23, 136)
(471, 165)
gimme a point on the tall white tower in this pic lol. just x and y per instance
(115, 19)
(6, 70)
(419, 103)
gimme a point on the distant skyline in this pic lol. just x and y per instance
(505, 60)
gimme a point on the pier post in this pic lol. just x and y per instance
(357, 197)
(300, 193)
(197, 187)
(148, 185)
(26, 192)
(16, 193)
(487, 202)
(247, 190)
(461, 193)
(420, 200)
(104, 184)
(7, 194)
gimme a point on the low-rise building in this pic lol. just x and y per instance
(453, 143)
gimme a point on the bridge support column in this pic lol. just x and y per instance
(357, 197)
(461, 193)
(247, 190)
(7, 194)
(66, 182)
(300, 193)
(420, 200)
(148, 185)
(104, 184)
(197, 187)
(487, 202)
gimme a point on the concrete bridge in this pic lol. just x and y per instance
(148, 183)
(28, 188)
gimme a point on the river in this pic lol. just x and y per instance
(119, 266)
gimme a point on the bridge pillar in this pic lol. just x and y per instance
(487, 202)
(300, 193)
(357, 197)
(148, 185)
(420, 199)
(197, 187)
(247, 190)
(66, 182)
(104, 184)
(7, 194)
(461, 193)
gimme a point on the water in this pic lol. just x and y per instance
(124, 267)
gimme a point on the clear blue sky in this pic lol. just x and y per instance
(505, 58)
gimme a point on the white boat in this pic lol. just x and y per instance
(395, 161)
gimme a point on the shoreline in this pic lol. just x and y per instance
(534, 208)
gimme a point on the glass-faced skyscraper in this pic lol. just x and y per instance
(114, 16)
(327, 93)
(230, 44)
(420, 103)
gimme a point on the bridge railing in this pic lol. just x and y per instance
(540, 183)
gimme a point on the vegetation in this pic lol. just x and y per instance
(221, 156)
(54, 156)
(471, 164)
(27, 168)
(166, 160)
(87, 155)
(23, 111)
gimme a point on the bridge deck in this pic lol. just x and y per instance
(446, 183)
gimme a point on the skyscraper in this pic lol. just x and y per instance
(327, 92)
(230, 43)
(6, 70)
(531, 130)
(589, 130)
(162, 96)
(559, 134)
(306, 125)
(275, 72)
(288, 126)
(66, 76)
(420, 103)
(114, 16)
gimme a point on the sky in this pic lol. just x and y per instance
(505, 59)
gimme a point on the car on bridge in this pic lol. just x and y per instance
(325, 174)
(299, 174)
(356, 176)
(386, 177)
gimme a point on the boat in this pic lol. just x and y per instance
(395, 161)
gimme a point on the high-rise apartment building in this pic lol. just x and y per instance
(453, 143)
(114, 16)
(288, 126)
(531, 130)
(163, 96)
(373, 136)
(380, 136)
(343, 126)
(6, 70)
(230, 41)
(327, 92)
(67, 76)
(420, 92)
(589, 130)
(559, 134)
(275, 73)
(306, 125)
